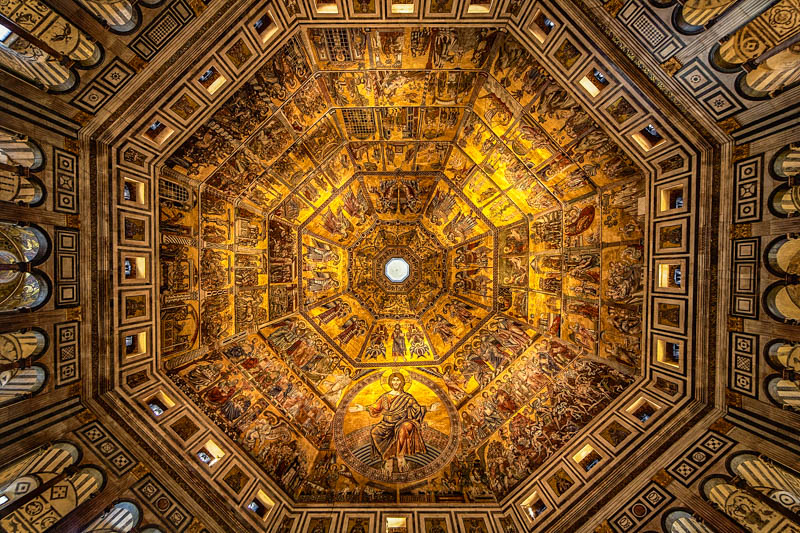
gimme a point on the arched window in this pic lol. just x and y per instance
(776, 483)
(120, 15)
(20, 188)
(748, 43)
(784, 392)
(784, 201)
(22, 345)
(34, 65)
(783, 355)
(786, 163)
(21, 383)
(24, 475)
(683, 522)
(121, 518)
(21, 286)
(151, 529)
(49, 507)
(693, 16)
(782, 256)
(53, 31)
(18, 151)
(774, 73)
(782, 302)
(744, 508)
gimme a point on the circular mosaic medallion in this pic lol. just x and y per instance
(396, 426)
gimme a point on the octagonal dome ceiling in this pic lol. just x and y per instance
(453, 150)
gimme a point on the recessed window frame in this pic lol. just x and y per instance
(527, 505)
(266, 34)
(645, 141)
(663, 191)
(662, 263)
(158, 131)
(141, 337)
(221, 88)
(537, 27)
(637, 404)
(212, 451)
(160, 399)
(141, 188)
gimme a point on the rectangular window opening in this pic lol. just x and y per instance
(135, 267)
(668, 352)
(648, 138)
(533, 506)
(642, 410)
(135, 343)
(212, 80)
(542, 26)
(210, 453)
(670, 276)
(4, 32)
(479, 6)
(402, 7)
(261, 504)
(671, 198)
(265, 27)
(594, 82)
(587, 457)
(133, 191)
(159, 403)
(327, 6)
(396, 524)
(158, 132)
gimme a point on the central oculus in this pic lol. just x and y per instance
(396, 269)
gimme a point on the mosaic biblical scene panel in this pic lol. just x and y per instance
(517, 317)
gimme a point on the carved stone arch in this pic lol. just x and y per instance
(773, 75)
(21, 383)
(783, 392)
(682, 521)
(782, 255)
(781, 301)
(122, 517)
(767, 477)
(32, 64)
(19, 150)
(786, 162)
(743, 507)
(782, 354)
(784, 201)
(41, 463)
(29, 343)
(121, 16)
(695, 16)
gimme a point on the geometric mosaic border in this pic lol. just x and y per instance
(162, 503)
(637, 512)
(168, 24)
(104, 86)
(65, 178)
(66, 353)
(699, 457)
(747, 180)
(744, 277)
(650, 30)
(708, 89)
(107, 447)
(67, 268)
(743, 363)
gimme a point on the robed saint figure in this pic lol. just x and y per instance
(399, 433)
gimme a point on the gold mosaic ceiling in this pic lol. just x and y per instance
(454, 150)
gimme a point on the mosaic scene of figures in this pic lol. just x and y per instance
(519, 219)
